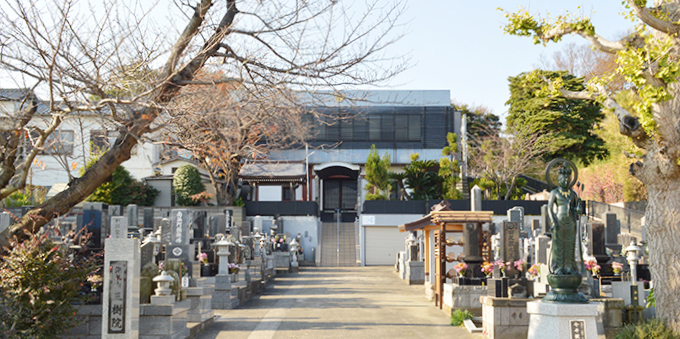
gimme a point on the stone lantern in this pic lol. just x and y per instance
(164, 280)
(223, 254)
(258, 243)
(632, 257)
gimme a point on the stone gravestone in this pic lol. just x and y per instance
(612, 231)
(93, 218)
(476, 199)
(229, 217)
(542, 248)
(180, 247)
(545, 220)
(133, 215)
(510, 242)
(148, 270)
(216, 225)
(157, 223)
(535, 227)
(597, 241)
(120, 311)
(166, 231)
(148, 220)
(472, 255)
(516, 214)
(118, 228)
(198, 219)
(116, 210)
(5, 221)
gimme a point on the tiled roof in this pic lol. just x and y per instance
(13, 94)
(273, 170)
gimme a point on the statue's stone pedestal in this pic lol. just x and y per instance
(562, 320)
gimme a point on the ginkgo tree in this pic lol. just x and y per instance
(649, 60)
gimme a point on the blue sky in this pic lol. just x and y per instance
(460, 45)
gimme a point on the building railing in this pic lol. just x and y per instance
(288, 208)
(499, 207)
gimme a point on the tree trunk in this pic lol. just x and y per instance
(663, 235)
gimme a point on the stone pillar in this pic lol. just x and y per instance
(120, 316)
(476, 199)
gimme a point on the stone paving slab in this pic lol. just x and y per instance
(351, 302)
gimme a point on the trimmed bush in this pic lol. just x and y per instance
(187, 182)
(649, 329)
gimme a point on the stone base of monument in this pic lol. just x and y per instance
(504, 318)
(90, 326)
(550, 320)
(294, 267)
(223, 296)
(463, 297)
(200, 301)
(164, 320)
(415, 272)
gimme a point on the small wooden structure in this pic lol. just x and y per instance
(442, 221)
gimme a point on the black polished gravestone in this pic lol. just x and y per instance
(612, 231)
(597, 241)
(198, 220)
(472, 255)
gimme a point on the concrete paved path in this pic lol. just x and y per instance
(352, 302)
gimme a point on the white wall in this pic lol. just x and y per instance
(269, 192)
(308, 227)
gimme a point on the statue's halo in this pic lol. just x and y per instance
(559, 162)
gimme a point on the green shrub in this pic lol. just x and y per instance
(649, 329)
(38, 283)
(458, 316)
(187, 182)
(123, 189)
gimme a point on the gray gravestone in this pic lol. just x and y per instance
(120, 299)
(542, 247)
(217, 225)
(133, 215)
(510, 242)
(166, 231)
(612, 231)
(198, 220)
(535, 227)
(148, 219)
(5, 221)
(157, 223)
(181, 223)
(476, 198)
(119, 228)
(545, 219)
(516, 214)
(229, 219)
(146, 254)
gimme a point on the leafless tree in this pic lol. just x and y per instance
(501, 158)
(118, 60)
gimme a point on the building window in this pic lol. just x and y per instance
(371, 127)
(60, 142)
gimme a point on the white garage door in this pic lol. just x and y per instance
(382, 244)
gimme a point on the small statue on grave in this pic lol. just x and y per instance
(564, 207)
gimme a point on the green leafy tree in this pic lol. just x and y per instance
(571, 122)
(123, 189)
(648, 60)
(39, 283)
(480, 120)
(377, 175)
(423, 179)
(449, 169)
(187, 182)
